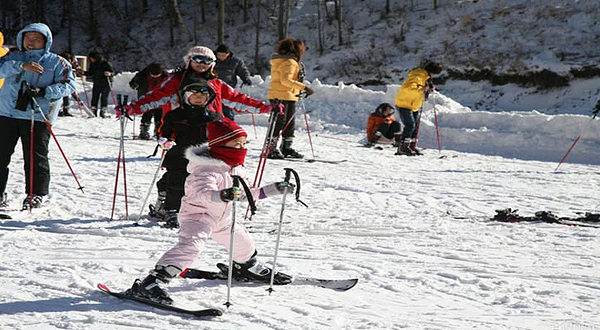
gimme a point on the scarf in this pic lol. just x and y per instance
(231, 156)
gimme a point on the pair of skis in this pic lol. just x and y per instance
(336, 285)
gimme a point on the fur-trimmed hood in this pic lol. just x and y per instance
(199, 155)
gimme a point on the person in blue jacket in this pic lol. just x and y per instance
(50, 78)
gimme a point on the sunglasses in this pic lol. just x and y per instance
(197, 89)
(201, 59)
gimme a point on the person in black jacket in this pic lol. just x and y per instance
(181, 128)
(102, 73)
(228, 68)
(144, 81)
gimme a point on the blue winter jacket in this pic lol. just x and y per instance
(57, 78)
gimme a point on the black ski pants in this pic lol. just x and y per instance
(389, 130)
(410, 120)
(289, 115)
(173, 183)
(100, 92)
(11, 130)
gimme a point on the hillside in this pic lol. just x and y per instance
(506, 49)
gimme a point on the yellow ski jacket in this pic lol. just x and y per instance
(411, 93)
(284, 78)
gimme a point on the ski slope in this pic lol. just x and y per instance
(414, 230)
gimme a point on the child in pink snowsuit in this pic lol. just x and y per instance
(206, 210)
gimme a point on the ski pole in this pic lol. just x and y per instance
(437, 129)
(236, 186)
(121, 158)
(31, 157)
(285, 191)
(87, 100)
(307, 128)
(162, 158)
(57, 144)
(575, 142)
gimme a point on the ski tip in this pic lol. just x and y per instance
(209, 312)
(103, 287)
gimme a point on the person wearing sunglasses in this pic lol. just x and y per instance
(199, 63)
(181, 128)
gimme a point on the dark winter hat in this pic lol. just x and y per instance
(95, 55)
(222, 131)
(192, 85)
(433, 67)
(222, 49)
(155, 68)
(384, 106)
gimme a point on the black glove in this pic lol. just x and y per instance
(134, 85)
(247, 82)
(37, 92)
(309, 91)
(230, 194)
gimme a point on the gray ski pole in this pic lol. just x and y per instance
(236, 185)
(162, 159)
(285, 192)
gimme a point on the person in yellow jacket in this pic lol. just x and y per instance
(286, 86)
(3, 52)
(409, 101)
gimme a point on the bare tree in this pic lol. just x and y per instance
(320, 28)
(256, 49)
(245, 8)
(22, 13)
(387, 6)
(221, 25)
(338, 14)
(280, 24)
(435, 4)
(288, 8)
(144, 6)
(177, 18)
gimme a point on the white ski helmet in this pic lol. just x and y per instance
(200, 51)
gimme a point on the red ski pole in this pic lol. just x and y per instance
(575, 142)
(437, 129)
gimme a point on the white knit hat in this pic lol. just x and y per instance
(200, 50)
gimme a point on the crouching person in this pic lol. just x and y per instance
(382, 123)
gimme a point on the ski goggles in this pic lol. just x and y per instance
(201, 59)
(196, 89)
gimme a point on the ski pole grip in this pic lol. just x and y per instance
(288, 174)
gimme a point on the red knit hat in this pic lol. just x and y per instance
(222, 131)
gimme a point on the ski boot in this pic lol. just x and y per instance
(273, 151)
(287, 151)
(95, 111)
(254, 270)
(3, 200)
(404, 149)
(103, 112)
(144, 131)
(34, 201)
(150, 288)
(413, 146)
(157, 210)
(171, 219)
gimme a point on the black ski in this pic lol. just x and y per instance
(4, 216)
(314, 160)
(198, 313)
(336, 285)
(510, 215)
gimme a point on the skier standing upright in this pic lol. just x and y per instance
(285, 88)
(102, 73)
(228, 68)
(409, 101)
(50, 78)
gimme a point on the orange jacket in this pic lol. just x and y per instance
(375, 120)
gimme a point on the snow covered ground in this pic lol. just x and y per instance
(415, 231)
